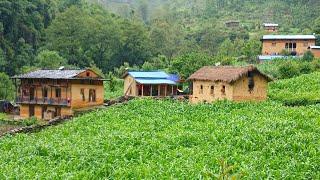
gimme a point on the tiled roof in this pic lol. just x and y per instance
(50, 74)
(274, 37)
(223, 73)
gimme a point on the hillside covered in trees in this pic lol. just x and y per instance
(154, 34)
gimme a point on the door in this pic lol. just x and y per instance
(31, 110)
(31, 94)
(58, 111)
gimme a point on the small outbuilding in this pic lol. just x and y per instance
(315, 51)
(212, 83)
(271, 27)
(150, 83)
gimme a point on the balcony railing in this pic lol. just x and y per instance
(48, 101)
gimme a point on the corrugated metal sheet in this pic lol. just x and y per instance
(155, 81)
(267, 57)
(148, 74)
(270, 25)
(274, 37)
(314, 47)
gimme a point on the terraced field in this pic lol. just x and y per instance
(166, 139)
(301, 90)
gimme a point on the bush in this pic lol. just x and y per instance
(305, 68)
(308, 56)
(288, 69)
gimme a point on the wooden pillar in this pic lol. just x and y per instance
(165, 91)
(150, 90)
(172, 90)
(159, 89)
(142, 90)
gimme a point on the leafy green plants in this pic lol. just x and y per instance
(163, 139)
(301, 90)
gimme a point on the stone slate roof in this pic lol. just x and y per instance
(50, 74)
(227, 74)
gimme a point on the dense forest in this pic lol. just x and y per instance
(154, 34)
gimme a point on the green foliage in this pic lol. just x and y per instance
(301, 90)
(6, 87)
(49, 60)
(289, 69)
(308, 56)
(187, 64)
(147, 139)
(113, 90)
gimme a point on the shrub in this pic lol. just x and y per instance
(289, 69)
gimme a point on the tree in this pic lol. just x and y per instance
(6, 87)
(187, 64)
(50, 60)
(316, 26)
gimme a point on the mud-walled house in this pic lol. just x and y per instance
(212, 83)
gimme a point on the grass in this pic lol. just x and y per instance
(166, 140)
(301, 90)
(117, 92)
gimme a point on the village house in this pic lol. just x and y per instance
(232, 24)
(315, 51)
(296, 45)
(150, 83)
(270, 27)
(212, 83)
(46, 94)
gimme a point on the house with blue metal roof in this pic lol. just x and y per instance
(150, 83)
(295, 45)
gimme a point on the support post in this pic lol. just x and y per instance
(165, 91)
(159, 88)
(150, 90)
(172, 90)
(142, 90)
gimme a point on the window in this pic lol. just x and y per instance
(88, 74)
(291, 46)
(223, 90)
(58, 93)
(212, 90)
(305, 44)
(274, 43)
(250, 81)
(92, 95)
(201, 89)
(82, 94)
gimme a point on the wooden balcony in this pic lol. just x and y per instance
(43, 101)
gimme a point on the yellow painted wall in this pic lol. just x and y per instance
(241, 89)
(76, 97)
(127, 82)
(91, 74)
(197, 96)
(24, 111)
(269, 49)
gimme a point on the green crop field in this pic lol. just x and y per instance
(301, 90)
(166, 139)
